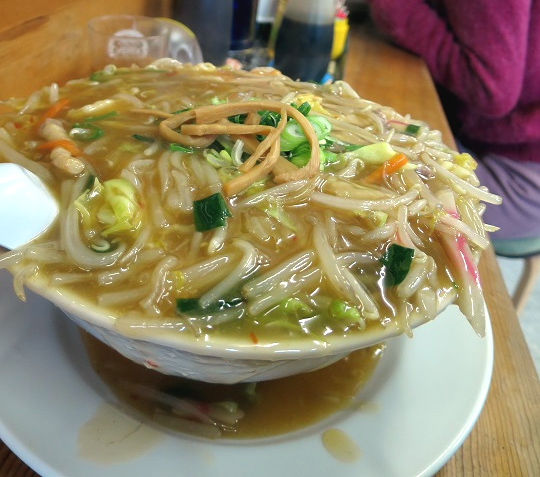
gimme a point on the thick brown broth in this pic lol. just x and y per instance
(137, 293)
(271, 407)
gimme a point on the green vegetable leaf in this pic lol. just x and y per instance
(376, 153)
(120, 213)
(210, 212)
(397, 263)
(343, 311)
(110, 208)
(193, 306)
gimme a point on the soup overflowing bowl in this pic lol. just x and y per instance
(233, 226)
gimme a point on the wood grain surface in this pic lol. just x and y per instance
(506, 439)
(45, 41)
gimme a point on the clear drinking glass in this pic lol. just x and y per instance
(124, 40)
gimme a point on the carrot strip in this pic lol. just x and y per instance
(63, 143)
(53, 111)
(393, 164)
(254, 338)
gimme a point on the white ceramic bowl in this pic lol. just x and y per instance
(215, 359)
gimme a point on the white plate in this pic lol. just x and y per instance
(424, 399)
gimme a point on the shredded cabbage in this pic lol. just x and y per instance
(111, 207)
(377, 153)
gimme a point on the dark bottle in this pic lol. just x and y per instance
(304, 41)
(211, 21)
(243, 24)
(266, 14)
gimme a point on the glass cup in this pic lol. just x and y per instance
(125, 40)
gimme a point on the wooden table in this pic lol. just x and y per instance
(506, 438)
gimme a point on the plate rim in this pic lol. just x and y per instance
(44, 467)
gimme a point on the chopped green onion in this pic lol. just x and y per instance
(238, 119)
(412, 129)
(101, 75)
(217, 159)
(85, 132)
(142, 138)
(293, 135)
(397, 263)
(269, 118)
(193, 306)
(328, 157)
(210, 212)
(177, 147)
(300, 156)
(186, 305)
(321, 126)
(304, 108)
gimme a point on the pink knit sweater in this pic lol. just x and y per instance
(485, 52)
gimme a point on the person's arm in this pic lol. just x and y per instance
(477, 52)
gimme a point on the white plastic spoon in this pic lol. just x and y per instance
(27, 208)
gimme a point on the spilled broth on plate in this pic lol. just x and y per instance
(245, 410)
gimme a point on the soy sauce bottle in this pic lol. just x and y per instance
(304, 40)
(211, 21)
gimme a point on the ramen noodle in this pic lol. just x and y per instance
(233, 203)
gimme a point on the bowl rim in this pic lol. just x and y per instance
(219, 346)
